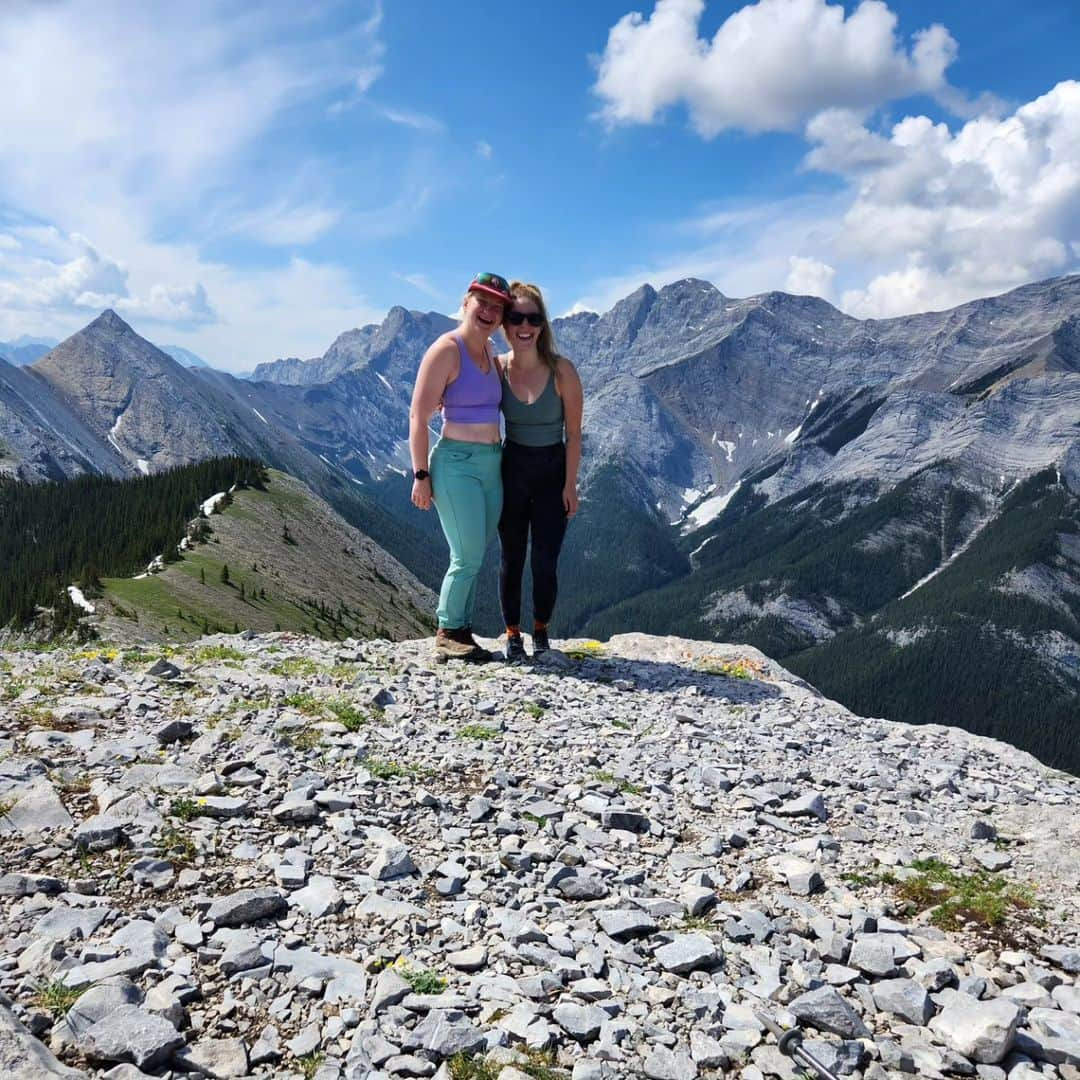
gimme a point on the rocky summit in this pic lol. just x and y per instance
(283, 857)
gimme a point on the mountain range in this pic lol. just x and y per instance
(873, 501)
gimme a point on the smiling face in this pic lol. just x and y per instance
(522, 334)
(482, 312)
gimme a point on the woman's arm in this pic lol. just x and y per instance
(569, 386)
(437, 369)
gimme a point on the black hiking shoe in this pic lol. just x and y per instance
(458, 644)
(515, 649)
(540, 642)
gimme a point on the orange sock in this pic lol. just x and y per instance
(513, 631)
(538, 625)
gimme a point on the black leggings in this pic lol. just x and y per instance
(533, 480)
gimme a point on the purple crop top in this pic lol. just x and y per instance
(473, 397)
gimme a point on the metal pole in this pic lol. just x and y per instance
(789, 1043)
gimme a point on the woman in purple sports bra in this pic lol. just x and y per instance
(458, 373)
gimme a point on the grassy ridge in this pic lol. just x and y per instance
(76, 531)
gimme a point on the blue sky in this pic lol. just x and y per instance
(249, 179)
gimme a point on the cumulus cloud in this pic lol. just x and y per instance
(769, 67)
(160, 130)
(810, 277)
(948, 216)
(49, 271)
(58, 272)
(170, 304)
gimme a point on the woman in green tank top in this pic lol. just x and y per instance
(542, 406)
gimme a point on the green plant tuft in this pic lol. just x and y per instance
(479, 732)
(184, 808)
(956, 898)
(56, 997)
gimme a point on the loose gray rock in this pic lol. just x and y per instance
(445, 1032)
(826, 1010)
(220, 1059)
(665, 1064)
(247, 906)
(983, 1031)
(1066, 957)
(21, 1055)
(904, 998)
(580, 1022)
(688, 952)
(130, 1034)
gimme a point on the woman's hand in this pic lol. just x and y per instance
(570, 500)
(421, 494)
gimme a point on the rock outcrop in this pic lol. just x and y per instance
(341, 860)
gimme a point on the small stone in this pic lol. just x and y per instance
(665, 1064)
(993, 860)
(826, 1010)
(625, 820)
(904, 998)
(247, 906)
(472, 959)
(128, 1033)
(173, 731)
(580, 1022)
(812, 804)
(392, 861)
(221, 1059)
(688, 952)
(100, 832)
(1066, 958)
(983, 1031)
(446, 1032)
(625, 923)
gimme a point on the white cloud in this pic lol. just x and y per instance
(769, 67)
(945, 217)
(421, 283)
(62, 275)
(809, 277)
(410, 118)
(929, 215)
(280, 224)
(66, 276)
(485, 150)
(170, 304)
(157, 133)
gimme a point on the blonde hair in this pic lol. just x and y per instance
(545, 343)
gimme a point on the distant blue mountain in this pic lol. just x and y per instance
(25, 349)
(184, 356)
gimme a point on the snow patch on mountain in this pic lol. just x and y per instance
(79, 600)
(709, 509)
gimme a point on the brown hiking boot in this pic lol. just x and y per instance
(458, 644)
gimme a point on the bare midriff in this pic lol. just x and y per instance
(478, 433)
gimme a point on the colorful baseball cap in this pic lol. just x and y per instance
(492, 285)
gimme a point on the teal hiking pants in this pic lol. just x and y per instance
(466, 482)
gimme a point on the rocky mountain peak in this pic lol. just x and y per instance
(108, 321)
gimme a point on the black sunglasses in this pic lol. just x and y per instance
(516, 318)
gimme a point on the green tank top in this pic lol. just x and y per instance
(538, 424)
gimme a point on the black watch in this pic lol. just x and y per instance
(421, 474)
